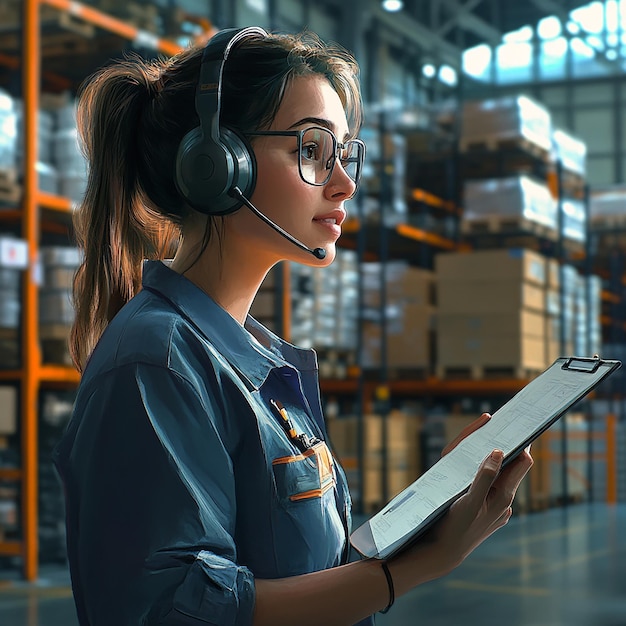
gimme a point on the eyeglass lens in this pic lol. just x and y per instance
(318, 151)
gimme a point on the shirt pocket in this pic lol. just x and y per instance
(304, 476)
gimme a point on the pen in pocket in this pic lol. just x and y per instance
(302, 442)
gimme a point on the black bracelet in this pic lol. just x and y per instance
(392, 594)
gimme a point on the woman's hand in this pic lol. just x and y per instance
(485, 508)
(476, 515)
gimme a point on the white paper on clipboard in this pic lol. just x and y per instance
(511, 428)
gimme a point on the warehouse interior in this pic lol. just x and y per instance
(487, 239)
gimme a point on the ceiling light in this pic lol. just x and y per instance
(429, 70)
(392, 5)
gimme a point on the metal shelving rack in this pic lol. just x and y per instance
(36, 207)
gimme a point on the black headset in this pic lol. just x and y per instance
(212, 159)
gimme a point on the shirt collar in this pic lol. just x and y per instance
(252, 360)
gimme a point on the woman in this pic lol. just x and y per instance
(199, 486)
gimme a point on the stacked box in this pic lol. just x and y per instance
(408, 313)
(9, 458)
(518, 197)
(588, 333)
(67, 154)
(386, 156)
(580, 316)
(571, 151)
(8, 410)
(403, 453)
(324, 304)
(607, 203)
(13, 260)
(48, 179)
(553, 313)
(491, 309)
(8, 133)
(56, 310)
(607, 219)
(347, 321)
(546, 476)
(506, 119)
(574, 220)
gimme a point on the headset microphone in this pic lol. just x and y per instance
(318, 253)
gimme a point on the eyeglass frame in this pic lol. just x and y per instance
(299, 134)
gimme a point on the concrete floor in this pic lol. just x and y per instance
(562, 567)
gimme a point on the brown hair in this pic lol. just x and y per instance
(131, 117)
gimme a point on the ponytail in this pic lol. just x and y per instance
(115, 225)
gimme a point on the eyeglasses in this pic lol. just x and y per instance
(318, 151)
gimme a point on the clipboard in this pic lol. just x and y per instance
(511, 429)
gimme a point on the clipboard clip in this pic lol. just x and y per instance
(587, 365)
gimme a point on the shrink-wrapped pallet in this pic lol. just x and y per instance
(508, 119)
(571, 151)
(513, 197)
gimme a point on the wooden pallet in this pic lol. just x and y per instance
(500, 225)
(486, 372)
(497, 143)
(608, 223)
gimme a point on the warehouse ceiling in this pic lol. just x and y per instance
(443, 29)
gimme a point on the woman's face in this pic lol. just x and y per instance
(311, 214)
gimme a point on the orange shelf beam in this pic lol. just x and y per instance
(410, 232)
(420, 195)
(11, 548)
(607, 296)
(10, 473)
(57, 81)
(59, 374)
(31, 74)
(113, 25)
(53, 202)
(352, 226)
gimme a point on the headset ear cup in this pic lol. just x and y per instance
(206, 171)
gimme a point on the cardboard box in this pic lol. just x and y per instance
(403, 431)
(488, 325)
(397, 480)
(514, 264)
(455, 423)
(489, 296)
(404, 284)
(552, 274)
(512, 350)
(8, 410)
(409, 339)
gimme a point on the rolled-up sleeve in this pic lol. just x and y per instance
(151, 504)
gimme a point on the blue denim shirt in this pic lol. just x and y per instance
(182, 484)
